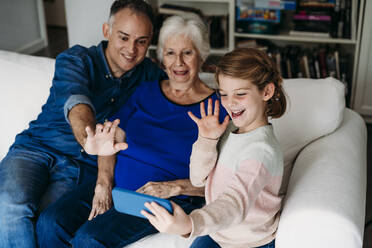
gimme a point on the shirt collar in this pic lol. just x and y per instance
(101, 50)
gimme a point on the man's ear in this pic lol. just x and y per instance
(106, 30)
(268, 91)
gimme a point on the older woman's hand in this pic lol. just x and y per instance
(102, 201)
(171, 188)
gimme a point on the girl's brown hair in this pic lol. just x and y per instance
(257, 67)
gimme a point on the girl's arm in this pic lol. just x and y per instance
(202, 161)
(204, 152)
(232, 205)
(230, 208)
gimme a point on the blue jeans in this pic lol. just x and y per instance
(208, 242)
(29, 181)
(64, 223)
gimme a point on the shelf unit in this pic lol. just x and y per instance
(209, 8)
(352, 45)
(227, 7)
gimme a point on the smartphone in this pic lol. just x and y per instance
(131, 202)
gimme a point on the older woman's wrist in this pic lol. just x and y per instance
(105, 182)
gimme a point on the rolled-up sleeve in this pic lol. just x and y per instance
(75, 100)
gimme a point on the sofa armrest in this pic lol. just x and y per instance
(325, 202)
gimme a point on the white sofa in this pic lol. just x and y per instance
(323, 140)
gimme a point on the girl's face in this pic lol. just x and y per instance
(181, 59)
(243, 101)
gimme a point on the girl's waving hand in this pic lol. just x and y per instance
(208, 125)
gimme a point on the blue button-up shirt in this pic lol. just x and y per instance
(82, 75)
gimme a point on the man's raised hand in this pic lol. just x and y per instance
(107, 139)
(209, 125)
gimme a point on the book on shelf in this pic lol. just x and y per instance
(257, 14)
(309, 34)
(317, 4)
(311, 65)
(317, 69)
(340, 10)
(322, 62)
(336, 17)
(354, 18)
(331, 64)
(311, 21)
(318, 62)
(304, 65)
(337, 62)
(347, 20)
(275, 4)
(278, 59)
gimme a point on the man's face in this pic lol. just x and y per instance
(128, 40)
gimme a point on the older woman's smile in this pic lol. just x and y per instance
(180, 73)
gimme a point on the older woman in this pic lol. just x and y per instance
(159, 134)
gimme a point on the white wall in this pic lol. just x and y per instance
(22, 25)
(85, 19)
(363, 88)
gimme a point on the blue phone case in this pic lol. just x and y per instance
(131, 202)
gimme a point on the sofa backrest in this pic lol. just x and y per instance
(315, 107)
(24, 88)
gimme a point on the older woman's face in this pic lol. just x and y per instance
(181, 59)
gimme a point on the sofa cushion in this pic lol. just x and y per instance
(25, 82)
(315, 108)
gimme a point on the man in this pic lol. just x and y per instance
(89, 86)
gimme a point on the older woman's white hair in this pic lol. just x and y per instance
(192, 27)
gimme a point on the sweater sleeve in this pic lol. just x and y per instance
(232, 205)
(202, 161)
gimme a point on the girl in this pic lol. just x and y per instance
(240, 164)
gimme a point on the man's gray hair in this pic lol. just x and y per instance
(192, 27)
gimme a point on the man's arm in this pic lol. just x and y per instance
(80, 117)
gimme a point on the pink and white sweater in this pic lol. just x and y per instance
(242, 175)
